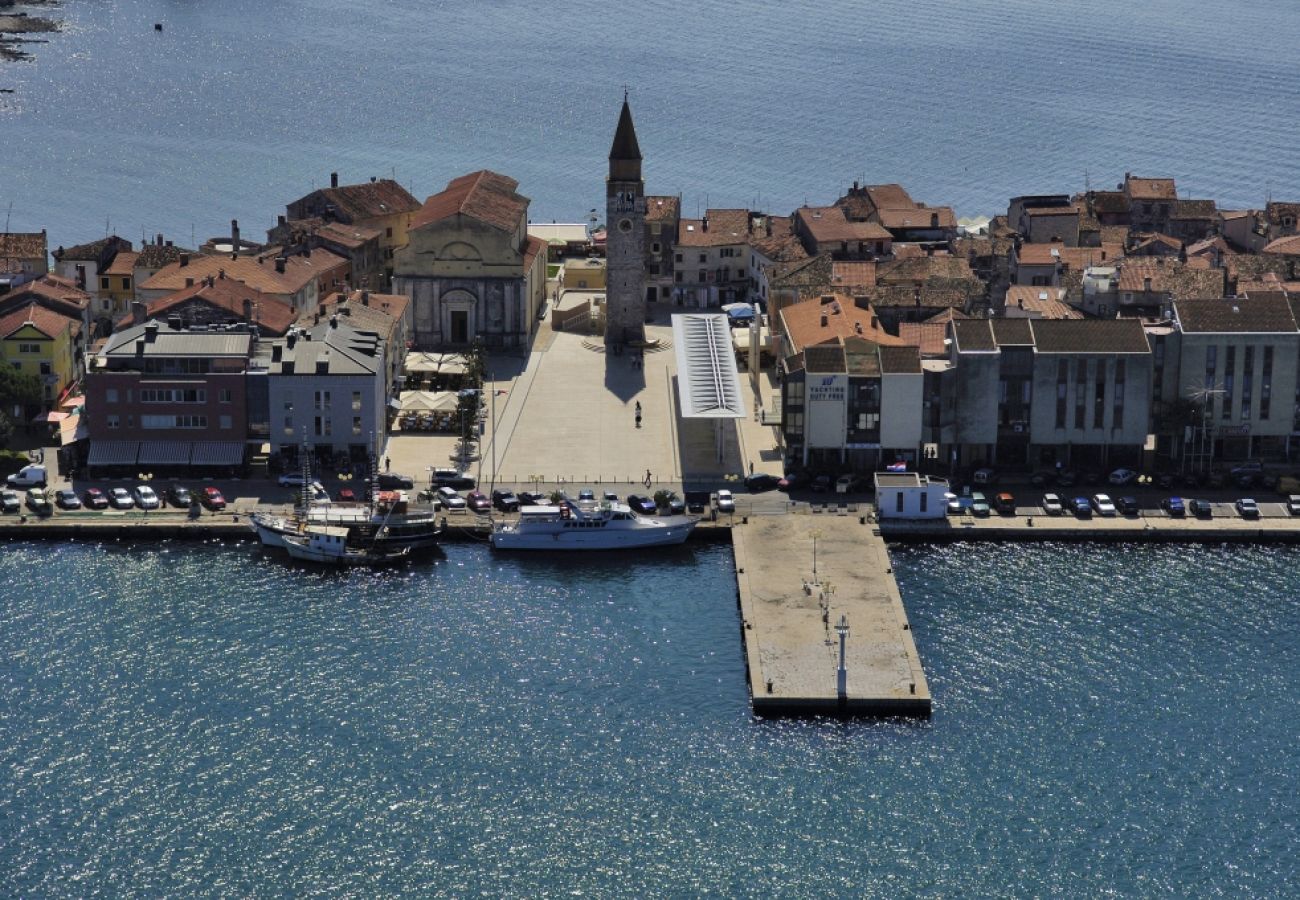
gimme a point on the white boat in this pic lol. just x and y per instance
(327, 544)
(388, 523)
(589, 526)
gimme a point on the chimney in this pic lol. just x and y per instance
(248, 309)
(306, 250)
(1146, 285)
(139, 347)
(221, 273)
(280, 262)
(291, 338)
(875, 323)
(334, 321)
(855, 187)
(277, 351)
(704, 223)
(185, 259)
(825, 321)
(167, 243)
(280, 220)
(323, 364)
(158, 240)
(151, 332)
(189, 282)
(234, 235)
(137, 312)
(334, 179)
(365, 298)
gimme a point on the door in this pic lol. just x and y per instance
(459, 326)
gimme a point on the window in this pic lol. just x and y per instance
(323, 426)
(126, 284)
(29, 348)
(1229, 371)
(1062, 391)
(46, 368)
(898, 501)
(225, 422)
(110, 395)
(169, 421)
(1099, 399)
(701, 276)
(656, 247)
(322, 401)
(794, 422)
(388, 232)
(1080, 393)
(1117, 412)
(113, 421)
(1247, 381)
(704, 257)
(224, 395)
(356, 425)
(288, 426)
(925, 501)
(356, 401)
(678, 257)
(1211, 362)
(173, 395)
(1266, 385)
(103, 283)
(677, 276)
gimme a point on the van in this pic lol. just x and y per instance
(28, 477)
(983, 476)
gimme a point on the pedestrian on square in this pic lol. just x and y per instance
(648, 479)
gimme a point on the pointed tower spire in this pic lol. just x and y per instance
(625, 147)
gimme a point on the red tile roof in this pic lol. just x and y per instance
(1287, 246)
(917, 217)
(802, 322)
(663, 209)
(828, 224)
(484, 195)
(258, 272)
(535, 246)
(22, 245)
(123, 263)
(273, 315)
(1150, 188)
(370, 200)
(725, 227)
(46, 321)
(854, 274)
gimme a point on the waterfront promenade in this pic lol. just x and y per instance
(797, 575)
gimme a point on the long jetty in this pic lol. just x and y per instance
(800, 576)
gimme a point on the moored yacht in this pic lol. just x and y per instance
(331, 545)
(387, 523)
(589, 526)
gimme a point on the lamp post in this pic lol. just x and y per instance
(842, 674)
(146, 477)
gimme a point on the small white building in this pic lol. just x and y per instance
(908, 495)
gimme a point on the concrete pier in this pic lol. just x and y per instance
(789, 614)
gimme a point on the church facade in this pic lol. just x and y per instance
(470, 268)
(625, 242)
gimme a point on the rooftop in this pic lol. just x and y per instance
(46, 321)
(156, 339)
(718, 228)
(1254, 315)
(369, 200)
(824, 319)
(258, 272)
(484, 195)
(22, 245)
(273, 315)
(1150, 188)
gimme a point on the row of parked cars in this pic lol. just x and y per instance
(1103, 505)
(142, 496)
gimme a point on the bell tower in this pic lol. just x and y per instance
(625, 237)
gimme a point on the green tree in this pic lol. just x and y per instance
(16, 390)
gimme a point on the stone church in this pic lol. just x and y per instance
(625, 242)
(470, 268)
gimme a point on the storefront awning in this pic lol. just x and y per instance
(217, 453)
(165, 453)
(113, 453)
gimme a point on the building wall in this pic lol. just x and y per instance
(1084, 372)
(1192, 378)
(723, 269)
(294, 409)
(901, 409)
(115, 408)
(888, 501)
(975, 398)
(55, 361)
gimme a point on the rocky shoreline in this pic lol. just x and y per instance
(16, 27)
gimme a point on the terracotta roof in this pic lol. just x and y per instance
(825, 358)
(937, 292)
(1155, 244)
(52, 287)
(1150, 188)
(484, 195)
(22, 245)
(46, 321)
(381, 313)
(973, 336)
(1045, 301)
(1264, 315)
(393, 306)
(123, 263)
(534, 246)
(1287, 246)
(853, 274)
(89, 251)
(923, 268)
(1114, 234)
(1104, 202)
(948, 315)
(782, 245)
(259, 275)
(663, 209)
(1072, 257)
(802, 322)
(828, 224)
(861, 203)
(1089, 336)
(350, 236)
(1194, 209)
(370, 200)
(903, 360)
(1177, 279)
(1045, 211)
(928, 337)
(917, 217)
(1206, 246)
(725, 227)
(155, 256)
(273, 315)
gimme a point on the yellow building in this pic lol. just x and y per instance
(116, 283)
(38, 341)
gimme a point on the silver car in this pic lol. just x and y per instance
(145, 498)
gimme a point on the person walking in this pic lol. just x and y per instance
(648, 479)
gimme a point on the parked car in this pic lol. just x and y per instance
(346, 495)
(984, 476)
(846, 484)
(1121, 477)
(1247, 508)
(760, 481)
(820, 485)
(9, 501)
(725, 502)
(1174, 506)
(643, 505)
(292, 479)
(1052, 505)
(212, 499)
(1005, 504)
(146, 497)
(94, 498)
(1128, 506)
(1293, 504)
(478, 501)
(38, 503)
(676, 505)
(587, 494)
(790, 481)
(179, 497)
(121, 498)
(391, 481)
(28, 477)
(1081, 507)
(697, 501)
(453, 479)
(1202, 509)
(506, 501)
(449, 499)
(66, 498)
(609, 496)
(979, 504)
(1103, 505)
(532, 498)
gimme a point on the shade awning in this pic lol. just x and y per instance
(51, 417)
(165, 453)
(217, 453)
(113, 453)
(428, 401)
(708, 385)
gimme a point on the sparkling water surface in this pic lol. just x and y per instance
(207, 719)
(239, 106)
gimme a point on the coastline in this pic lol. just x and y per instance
(15, 25)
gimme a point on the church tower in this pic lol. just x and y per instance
(625, 237)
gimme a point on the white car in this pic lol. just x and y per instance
(1121, 477)
(291, 479)
(449, 498)
(121, 498)
(726, 503)
(145, 498)
(1052, 505)
(1103, 505)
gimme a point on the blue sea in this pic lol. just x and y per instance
(240, 106)
(200, 719)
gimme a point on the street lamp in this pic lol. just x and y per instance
(842, 674)
(146, 477)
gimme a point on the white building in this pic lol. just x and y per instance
(907, 495)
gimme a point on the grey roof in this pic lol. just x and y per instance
(1256, 315)
(708, 385)
(1089, 336)
(973, 336)
(332, 345)
(171, 342)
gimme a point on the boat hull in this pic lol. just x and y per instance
(508, 537)
(271, 530)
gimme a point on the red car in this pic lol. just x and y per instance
(478, 501)
(94, 498)
(212, 499)
(346, 495)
